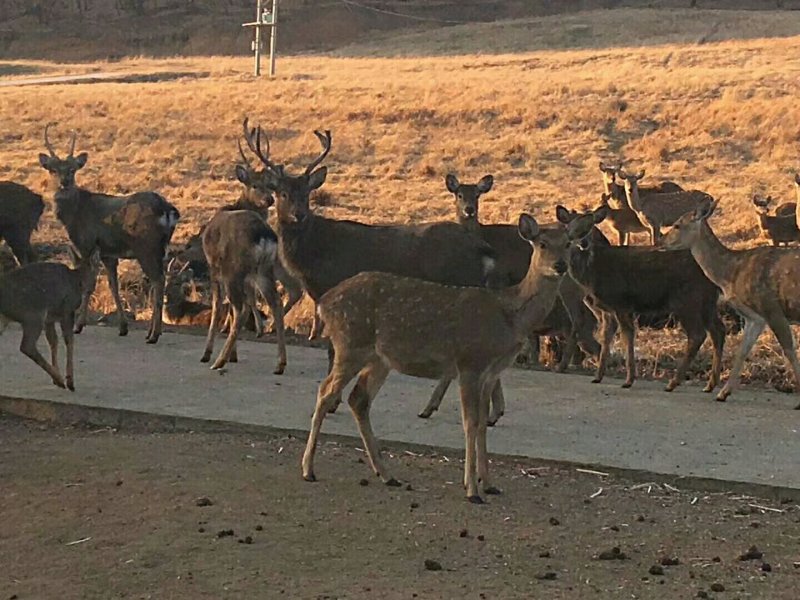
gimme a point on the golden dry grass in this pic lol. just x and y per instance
(718, 117)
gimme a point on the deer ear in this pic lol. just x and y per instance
(705, 209)
(81, 159)
(563, 215)
(640, 175)
(485, 184)
(797, 178)
(451, 181)
(317, 178)
(528, 227)
(242, 175)
(599, 215)
(604, 198)
(44, 160)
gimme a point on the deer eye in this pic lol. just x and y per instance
(460, 196)
(543, 245)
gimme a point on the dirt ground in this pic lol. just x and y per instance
(103, 514)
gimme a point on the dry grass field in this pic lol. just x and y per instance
(721, 117)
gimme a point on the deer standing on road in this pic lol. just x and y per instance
(323, 252)
(20, 210)
(138, 226)
(38, 296)
(379, 322)
(762, 284)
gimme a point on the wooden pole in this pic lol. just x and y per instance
(273, 33)
(257, 43)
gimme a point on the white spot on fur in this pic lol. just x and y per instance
(488, 265)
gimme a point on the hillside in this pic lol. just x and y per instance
(111, 29)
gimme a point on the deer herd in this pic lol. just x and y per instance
(443, 300)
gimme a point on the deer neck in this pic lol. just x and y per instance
(471, 225)
(530, 301)
(716, 261)
(633, 199)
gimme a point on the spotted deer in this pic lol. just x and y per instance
(380, 322)
(661, 209)
(38, 296)
(138, 226)
(322, 252)
(779, 229)
(20, 210)
(570, 318)
(762, 284)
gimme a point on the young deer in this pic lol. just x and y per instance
(138, 226)
(661, 209)
(241, 250)
(322, 252)
(378, 322)
(622, 283)
(616, 191)
(762, 284)
(622, 220)
(779, 229)
(20, 210)
(38, 296)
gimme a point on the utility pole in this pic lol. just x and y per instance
(265, 18)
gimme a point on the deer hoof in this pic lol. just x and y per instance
(671, 386)
(709, 388)
(59, 383)
(426, 414)
(475, 499)
(310, 477)
(77, 329)
(279, 369)
(627, 384)
(597, 380)
(150, 340)
(234, 358)
(797, 407)
(206, 357)
(393, 483)
(723, 396)
(492, 491)
(70, 384)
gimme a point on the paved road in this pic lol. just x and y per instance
(113, 77)
(754, 438)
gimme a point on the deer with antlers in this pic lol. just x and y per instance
(323, 252)
(762, 284)
(138, 226)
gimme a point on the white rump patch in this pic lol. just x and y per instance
(488, 265)
(266, 250)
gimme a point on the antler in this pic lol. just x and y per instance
(253, 138)
(47, 143)
(72, 143)
(245, 160)
(324, 139)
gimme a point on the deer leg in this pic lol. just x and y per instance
(436, 397)
(627, 330)
(332, 406)
(31, 330)
(67, 324)
(488, 391)
(269, 290)
(498, 403)
(52, 341)
(237, 306)
(716, 332)
(113, 283)
(258, 321)
(369, 382)
(216, 307)
(316, 326)
(470, 417)
(608, 326)
(695, 336)
(783, 331)
(330, 389)
(83, 309)
(568, 351)
(753, 326)
(156, 321)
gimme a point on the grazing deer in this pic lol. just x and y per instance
(38, 296)
(20, 210)
(138, 226)
(241, 250)
(660, 209)
(762, 284)
(323, 252)
(779, 229)
(623, 282)
(570, 318)
(379, 322)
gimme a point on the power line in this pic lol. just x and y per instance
(351, 3)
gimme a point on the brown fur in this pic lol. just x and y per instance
(20, 210)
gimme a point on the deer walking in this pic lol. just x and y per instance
(138, 226)
(38, 296)
(379, 322)
(20, 210)
(762, 284)
(622, 283)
